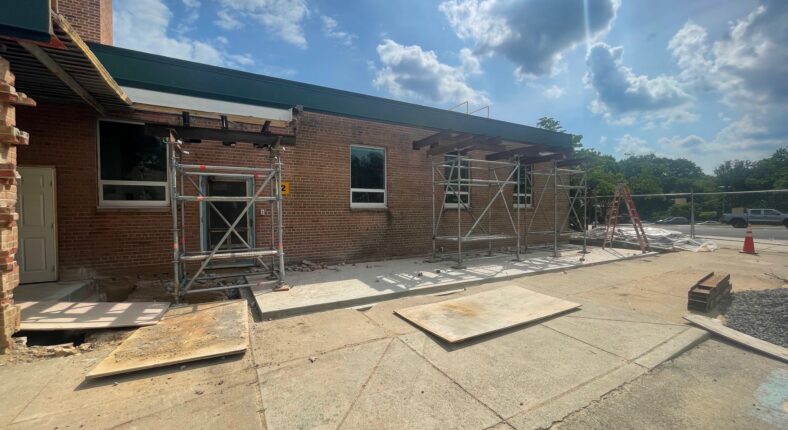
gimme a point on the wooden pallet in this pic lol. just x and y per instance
(707, 293)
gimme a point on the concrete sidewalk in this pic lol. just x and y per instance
(372, 370)
(365, 283)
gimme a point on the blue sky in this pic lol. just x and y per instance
(701, 79)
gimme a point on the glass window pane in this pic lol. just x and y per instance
(127, 154)
(454, 173)
(134, 192)
(368, 197)
(452, 198)
(367, 168)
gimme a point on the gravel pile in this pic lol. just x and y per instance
(761, 314)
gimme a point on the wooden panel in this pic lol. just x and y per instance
(186, 333)
(87, 315)
(718, 328)
(467, 317)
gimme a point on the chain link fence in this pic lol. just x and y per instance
(696, 207)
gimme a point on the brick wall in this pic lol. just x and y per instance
(91, 18)
(319, 222)
(10, 138)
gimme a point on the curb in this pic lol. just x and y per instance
(673, 347)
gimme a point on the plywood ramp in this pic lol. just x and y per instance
(478, 314)
(186, 333)
(88, 315)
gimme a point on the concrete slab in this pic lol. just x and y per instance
(713, 386)
(673, 347)
(186, 333)
(318, 395)
(305, 336)
(416, 396)
(519, 369)
(633, 297)
(456, 320)
(383, 313)
(89, 315)
(366, 283)
(194, 395)
(625, 339)
(21, 384)
(68, 291)
(544, 415)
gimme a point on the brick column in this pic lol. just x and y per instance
(10, 137)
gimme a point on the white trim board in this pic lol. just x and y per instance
(179, 101)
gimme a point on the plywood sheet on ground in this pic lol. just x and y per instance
(470, 316)
(186, 333)
(89, 315)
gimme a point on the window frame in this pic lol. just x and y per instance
(102, 203)
(384, 191)
(529, 196)
(451, 205)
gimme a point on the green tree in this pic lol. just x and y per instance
(552, 124)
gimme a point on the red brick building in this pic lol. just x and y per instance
(93, 177)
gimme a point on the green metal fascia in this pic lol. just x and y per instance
(26, 19)
(159, 73)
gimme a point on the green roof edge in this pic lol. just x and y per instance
(155, 72)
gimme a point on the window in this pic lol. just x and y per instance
(132, 166)
(770, 212)
(367, 177)
(453, 174)
(522, 194)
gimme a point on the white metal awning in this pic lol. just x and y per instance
(179, 102)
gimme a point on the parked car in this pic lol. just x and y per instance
(756, 216)
(673, 220)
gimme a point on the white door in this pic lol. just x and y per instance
(37, 254)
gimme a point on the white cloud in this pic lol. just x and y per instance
(281, 18)
(748, 65)
(554, 92)
(748, 138)
(690, 50)
(627, 145)
(623, 96)
(227, 21)
(191, 3)
(412, 73)
(532, 34)
(332, 31)
(470, 62)
(142, 25)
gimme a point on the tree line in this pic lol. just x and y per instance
(651, 174)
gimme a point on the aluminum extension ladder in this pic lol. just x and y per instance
(622, 191)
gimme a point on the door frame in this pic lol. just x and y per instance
(204, 209)
(56, 233)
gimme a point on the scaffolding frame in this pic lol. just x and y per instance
(560, 180)
(270, 178)
(453, 185)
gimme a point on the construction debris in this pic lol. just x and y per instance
(708, 292)
(657, 238)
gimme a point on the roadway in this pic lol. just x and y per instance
(759, 232)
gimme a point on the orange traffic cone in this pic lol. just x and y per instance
(749, 244)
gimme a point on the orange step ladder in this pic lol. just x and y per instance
(622, 191)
